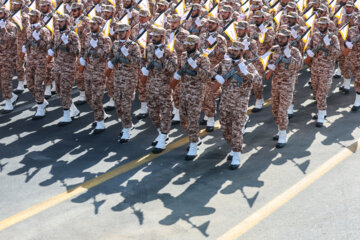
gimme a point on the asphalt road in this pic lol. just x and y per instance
(64, 183)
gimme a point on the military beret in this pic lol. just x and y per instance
(174, 18)
(236, 46)
(98, 20)
(76, 6)
(227, 8)
(284, 32)
(213, 19)
(192, 40)
(349, 4)
(109, 8)
(196, 6)
(64, 17)
(242, 25)
(323, 20)
(158, 31)
(35, 13)
(45, 2)
(292, 15)
(144, 13)
(121, 27)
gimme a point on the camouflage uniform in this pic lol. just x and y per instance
(158, 89)
(354, 56)
(195, 25)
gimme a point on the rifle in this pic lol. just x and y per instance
(318, 47)
(354, 41)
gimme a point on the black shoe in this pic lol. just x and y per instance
(209, 129)
(187, 149)
(319, 124)
(157, 150)
(6, 111)
(310, 85)
(109, 108)
(17, 91)
(337, 76)
(346, 91)
(97, 131)
(276, 137)
(234, 166)
(190, 157)
(47, 97)
(280, 145)
(121, 140)
(174, 123)
(61, 124)
(355, 108)
(142, 116)
(290, 116)
(315, 117)
(341, 88)
(255, 110)
(78, 102)
(53, 92)
(203, 122)
(229, 158)
(37, 117)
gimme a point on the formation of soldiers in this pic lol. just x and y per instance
(180, 56)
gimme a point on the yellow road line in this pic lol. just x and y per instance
(51, 202)
(286, 196)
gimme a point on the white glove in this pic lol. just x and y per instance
(211, 40)
(110, 65)
(246, 44)
(177, 76)
(220, 79)
(271, 67)
(124, 51)
(159, 53)
(349, 45)
(192, 63)
(294, 33)
(2, 24)
(93, 43)
(36, 35)
(50, 52)
(198, 22)
(287, 52)
(243, 68)
(111, 32)
(23, 49)
(82, 62)
(262, 27)
(310, 53)
(144, 71)
(327, 40)
(64, 38)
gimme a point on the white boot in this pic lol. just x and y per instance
(176, 113)
(74, 111)
(321, 118)
(206, 118)
(157, 138)
(144, 108)
(258, 105)
(14, 98)
(100, 127)
(82, 98)
(161, 144)
(8, 106)
(40, 111)
(110, 104)
(192, 153)
(231, 154)
(337, 72)
(66, 119)
(282, 139)
(235, 162)
(291, 110)
(125, 137)
(246, 121)
(20, 87)
(210, 124)
(47, 90)
(53, 87)
(347, 82)
(356, 103)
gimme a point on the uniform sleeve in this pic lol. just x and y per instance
(269, 39)
(296, 60)
(170, 61)
(74, 47)
(204, 68)
(335, 47)
(10, 32)
(45, 38)
(135, 57)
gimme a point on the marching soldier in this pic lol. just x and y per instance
(67, 49)
(22, 35)
(8, 56)
(36, 49)
(160, 64)
(126, 57)
(195, 73)
(285, 62)
(195, 25)
(324, 49)
(128, 8)
(96, 50)
(217, 43)
(237, 77)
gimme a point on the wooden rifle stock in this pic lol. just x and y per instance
(346, 51)
(308, 61)
(269, 74)
(215, 87)
(108, 72)
(173, 83)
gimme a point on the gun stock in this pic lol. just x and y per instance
(269, 74)
(143, 79)
(346, 51)
(173, 83)
(108, 72)
(308, 61)
(215, 87)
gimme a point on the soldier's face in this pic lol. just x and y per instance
(127, 3)
(94, 27)
(240, 32)
(321, 13)
(289, 10)
(235, 54)
(316, 5)
(322, 27)
(16, 6)
(225, 15)
(143, 19)
(259, 20)
(156, 39)
(284, 2)
(62, 24)
(190, 48)
(212, 26)
(161, 8)
(75, 13)
(282, 40)
(195, 13)
(34, 19)
(349, 9)
(45, 8)
(291, 21)
(174, 25)
(122, 35)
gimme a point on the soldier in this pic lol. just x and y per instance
(160, 64)
(265, 41)
(180, 34)
(129, 8)
(67, 49)
(285, 62)
(46, 15)
(81, 25)
(237, 77)
(353, 43)
(7, 59)
(195, 24)
(22, 35)
(195, 73)
(96, 49)
(217, 43)
(36, 48)
(126, 57)
(67, 6)
(323, 48)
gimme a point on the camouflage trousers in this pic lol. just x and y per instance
(94, 89)
(175, 96)
(160, 107)
(209, 103)
(80, 82)
(20, 69)
(190, 110)
(49, 74)
(345, 65)
(6, 74)
(321, 85)
(281, 97)
(258, 87)
(232, 119)
(35, 77)
(110, 84)
(141, 89)
(64, 76)
(123, 97)
(355, 63)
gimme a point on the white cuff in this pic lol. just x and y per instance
(349, 44)
(310, 53)
(271, 67)
(23, 49)
(110, 65)
(50, 52)
(145, 71)
(82, 62)
(220, 79)
(177, 76)
(192, 63)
